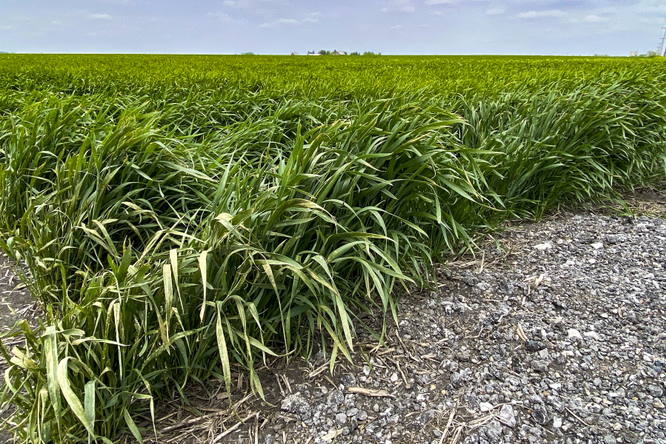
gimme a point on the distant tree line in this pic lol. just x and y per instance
(355, 53)
(321, 52)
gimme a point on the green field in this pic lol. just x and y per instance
(182, 215)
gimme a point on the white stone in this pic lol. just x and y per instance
(506, 416)
(598, 245)
(544, 246)
(592, 335)
(557, 422)
(486, 406)
(574, 334)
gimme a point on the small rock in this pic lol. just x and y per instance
(540, 415)
(348, 380)
(458, 378)
(483, 286)
(493, 431)
(463, 356)
(544, 246)
(655, 391)
(297, 405)
(609, 439)
(486, 406)
(423, 419)
(557, 422)
(335, 398)
(540, 365)
(506, 416)
(598, 245)
(362, 415)
(394, 377)
(592, 335)
(341, 418)
(534, 346)
(658, 404)
(574, 335)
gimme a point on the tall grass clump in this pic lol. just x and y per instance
(176, 227)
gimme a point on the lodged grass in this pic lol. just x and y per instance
(176, 224)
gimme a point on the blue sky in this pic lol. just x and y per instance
(575, 27)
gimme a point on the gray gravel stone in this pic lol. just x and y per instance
(507, 416)
(335, 398)
(297, 405)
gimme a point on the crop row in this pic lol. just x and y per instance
(178, 215)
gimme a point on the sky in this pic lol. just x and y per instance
(560, 27)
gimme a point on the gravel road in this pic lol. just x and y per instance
(555, 332)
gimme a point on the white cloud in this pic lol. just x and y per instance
(221, 16)
(451, 2)
(495, 11)
(101, 17)
(541, 14)
(288, 22)
(56, 22)
(228, 2)
(593, 18)
(6, 28)
(396, 27)
(399, 5)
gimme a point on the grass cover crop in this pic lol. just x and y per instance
(179, 215)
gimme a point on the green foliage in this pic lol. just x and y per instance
(179, 215)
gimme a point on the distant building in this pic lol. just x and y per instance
(633, 54)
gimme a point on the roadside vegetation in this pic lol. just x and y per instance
(180, 215)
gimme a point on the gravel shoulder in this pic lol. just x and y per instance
(555, 332)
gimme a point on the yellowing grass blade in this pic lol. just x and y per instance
(203, 267)
(71, 398)
(168, 295)
(51, 355)
(89, 401)
(222, 347)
